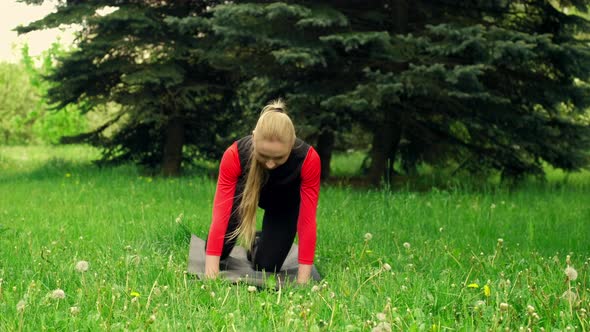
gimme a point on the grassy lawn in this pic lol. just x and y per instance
(439, 260)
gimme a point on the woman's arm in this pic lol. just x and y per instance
(229, 172)
(306, 225)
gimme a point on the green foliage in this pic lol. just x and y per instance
(17, 95)
(26, 113)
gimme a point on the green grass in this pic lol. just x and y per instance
(57, 209)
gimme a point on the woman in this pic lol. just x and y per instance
(279, 173)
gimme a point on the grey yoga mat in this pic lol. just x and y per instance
(237, 268)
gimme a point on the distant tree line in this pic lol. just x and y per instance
(475, 85)
(25, 116)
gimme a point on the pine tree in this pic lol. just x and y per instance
(131, 56)
(479, 85)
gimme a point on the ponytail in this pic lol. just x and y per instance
(273, 123)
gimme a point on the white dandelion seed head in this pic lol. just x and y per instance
(315, 288)
(571, 273)
(74, 311)
(407, 245)
(21, 305)
(479, 304)
(251, 289)
(381, 316)
(569, 296)
(368, 236)
(82, 266)
(386, 267)
(382, 327)
(58, 294)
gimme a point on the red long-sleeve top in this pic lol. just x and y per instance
(229, 173)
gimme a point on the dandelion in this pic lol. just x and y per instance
(500, 242)
(251, 289)
(386, 267)
(82, 266)
(315, 288)
(473, 285)
(407, 245)
(569, 296)
(571, 273)
(487, 291)
(134, 294)
(493, 206)
(20, 306)
(504, 306)
(58, 294)
(382, 327)
(74, 311)
(368, 236)
(479, 305)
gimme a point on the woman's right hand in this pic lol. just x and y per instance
(211, 266)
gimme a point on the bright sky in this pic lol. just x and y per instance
(14, 13)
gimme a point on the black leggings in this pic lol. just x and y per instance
(275, 241)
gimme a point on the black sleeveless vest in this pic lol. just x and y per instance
(281, 189)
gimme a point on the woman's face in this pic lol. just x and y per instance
(271, 153)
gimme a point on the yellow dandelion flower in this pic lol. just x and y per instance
(487, 291)
(473, 285)
(134, 294)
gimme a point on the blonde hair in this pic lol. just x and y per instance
(273, 124)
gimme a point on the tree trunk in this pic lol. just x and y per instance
(388, 132)
(172, 158)
(385, 143)
(325, 147)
